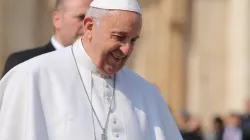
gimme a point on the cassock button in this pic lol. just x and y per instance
(108, 99)
(117, 135)
(107, 86)
(114, 121)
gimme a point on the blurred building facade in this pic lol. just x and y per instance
(195, 51)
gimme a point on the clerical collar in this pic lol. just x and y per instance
(56, 44)
(84, 60)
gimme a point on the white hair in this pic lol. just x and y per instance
(97, 13)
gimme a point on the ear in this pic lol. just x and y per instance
(88, 27)
(56, 19)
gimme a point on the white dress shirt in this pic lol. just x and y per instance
(56, 44)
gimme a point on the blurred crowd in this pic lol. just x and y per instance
(234, 126)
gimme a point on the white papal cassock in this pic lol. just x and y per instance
(44, 99)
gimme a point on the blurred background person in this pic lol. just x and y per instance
(67, 19)
(233, 130)
(189, 126)
(245, 122)
(217, 129)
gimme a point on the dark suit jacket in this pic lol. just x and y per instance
(191, 136)
(19, 57)
(245, 126)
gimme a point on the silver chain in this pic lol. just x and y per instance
(104, 129)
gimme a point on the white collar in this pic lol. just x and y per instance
(56, 44)
(83, 59)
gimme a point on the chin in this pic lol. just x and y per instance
(109, 70)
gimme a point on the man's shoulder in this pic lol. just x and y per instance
(137, 81)
(51, 60)
(135, 85)
(133, 76)
(57, 64)
(16, 58)
(30, 53)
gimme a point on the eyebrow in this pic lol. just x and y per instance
(80, 14)
(137, 37)
(119, 32)
(123, 33)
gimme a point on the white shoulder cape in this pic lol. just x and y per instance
(43, 99)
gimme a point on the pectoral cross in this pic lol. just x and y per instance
(104, 136)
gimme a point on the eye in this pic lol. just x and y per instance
(118, 37)
(81, 17)
(133, 41)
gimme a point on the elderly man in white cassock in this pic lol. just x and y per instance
(83, 92)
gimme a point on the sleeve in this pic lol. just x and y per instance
(170, 128)
(164, 124)
(21, 114)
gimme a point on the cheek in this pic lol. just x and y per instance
(74, 24)
(100, 51)
(104, 55)
(77, 25)
(131, 50)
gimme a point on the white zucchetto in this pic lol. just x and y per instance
(126, 5)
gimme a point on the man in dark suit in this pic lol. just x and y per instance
(67, 19)
(245, 122)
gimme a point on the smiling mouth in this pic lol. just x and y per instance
(117, 58)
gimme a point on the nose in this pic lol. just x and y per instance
(127, 48)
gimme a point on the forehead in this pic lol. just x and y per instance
(76, 6)
(122, 21)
